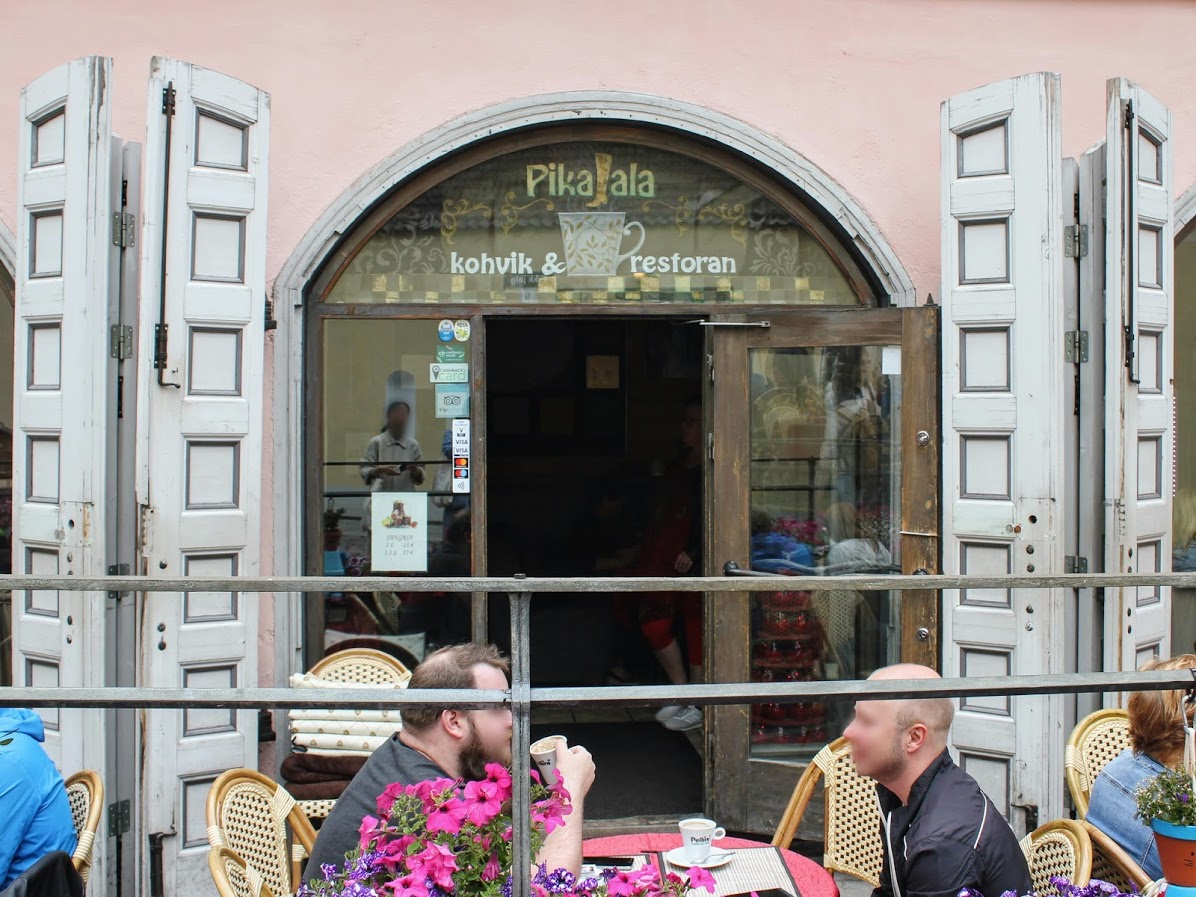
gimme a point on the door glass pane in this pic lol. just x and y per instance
(825, 462)
(394, 494)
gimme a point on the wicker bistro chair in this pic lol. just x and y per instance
(85, 791)
(232, 877)
(852, 819)
(1096, 739)
(363, 665)
(1112, 864)
(1060, 848)
(249, 813)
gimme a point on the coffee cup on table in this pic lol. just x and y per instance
(697, 837)
(544, 755)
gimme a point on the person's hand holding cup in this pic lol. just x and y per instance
(697, 837)
(544, 756)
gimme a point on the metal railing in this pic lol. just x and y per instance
(521, 696)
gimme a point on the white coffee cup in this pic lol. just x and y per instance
(544, 755)
(697, 837)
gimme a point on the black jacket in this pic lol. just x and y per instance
(52, 876)
(949, 836)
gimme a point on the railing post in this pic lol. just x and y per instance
(521, 744)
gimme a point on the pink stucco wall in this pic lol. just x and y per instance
(854, 85)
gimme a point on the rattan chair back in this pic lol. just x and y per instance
(250, 813)
(851, 829)
(1058, 849)
(85, 792)
(1096, 739)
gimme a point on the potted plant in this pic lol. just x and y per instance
(1168, 803)
(332, 526)
(446, 837)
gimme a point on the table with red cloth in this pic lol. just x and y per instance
(811, 879)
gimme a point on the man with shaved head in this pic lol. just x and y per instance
(940, 831)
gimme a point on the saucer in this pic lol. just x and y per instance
(676, 857)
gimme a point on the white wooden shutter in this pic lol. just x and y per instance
(65, 262)
(200, 436)
(1002, 250)
(1138, 371)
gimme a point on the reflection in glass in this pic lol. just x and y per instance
(824, 479)
(381, 434)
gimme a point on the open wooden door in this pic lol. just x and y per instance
(825, 462)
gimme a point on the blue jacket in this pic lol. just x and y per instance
(1113, 808)
(33, 802)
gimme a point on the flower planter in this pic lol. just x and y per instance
(1177, 852)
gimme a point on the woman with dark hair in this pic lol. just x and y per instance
(1157, 742)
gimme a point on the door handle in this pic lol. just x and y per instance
(701, 322)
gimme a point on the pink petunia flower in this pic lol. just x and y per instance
(436, 862)
(447, 817)
(500, 776)
(387, 798)
(482, 803)
(493, 868)
(410, 885)
(394, 852)
(368, 828)
(700, 878)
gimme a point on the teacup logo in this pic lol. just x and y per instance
(592, 241)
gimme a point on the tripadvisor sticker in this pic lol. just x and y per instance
(461, 330)
(444, 330)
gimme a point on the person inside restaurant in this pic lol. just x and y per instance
(672, 547)
(1156, 741)
(940, 832)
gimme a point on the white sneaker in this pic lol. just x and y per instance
(684, 719)
(667, 713)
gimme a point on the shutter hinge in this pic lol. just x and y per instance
(271, 323)
(710, 367)
(168, 95)
(1129, 114)
(1075, 346)
(124, 228)
(1075, 241)
(1075, 564)
(710, 445)
(120, 341)
(117, 570)
(160, 338)
(119, 818)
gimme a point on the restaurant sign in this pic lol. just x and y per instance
(591, 216)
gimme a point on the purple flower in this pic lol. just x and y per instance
(1183, 798)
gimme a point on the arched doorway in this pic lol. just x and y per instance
(584, 349)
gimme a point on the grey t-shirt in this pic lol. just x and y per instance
(391, 762)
